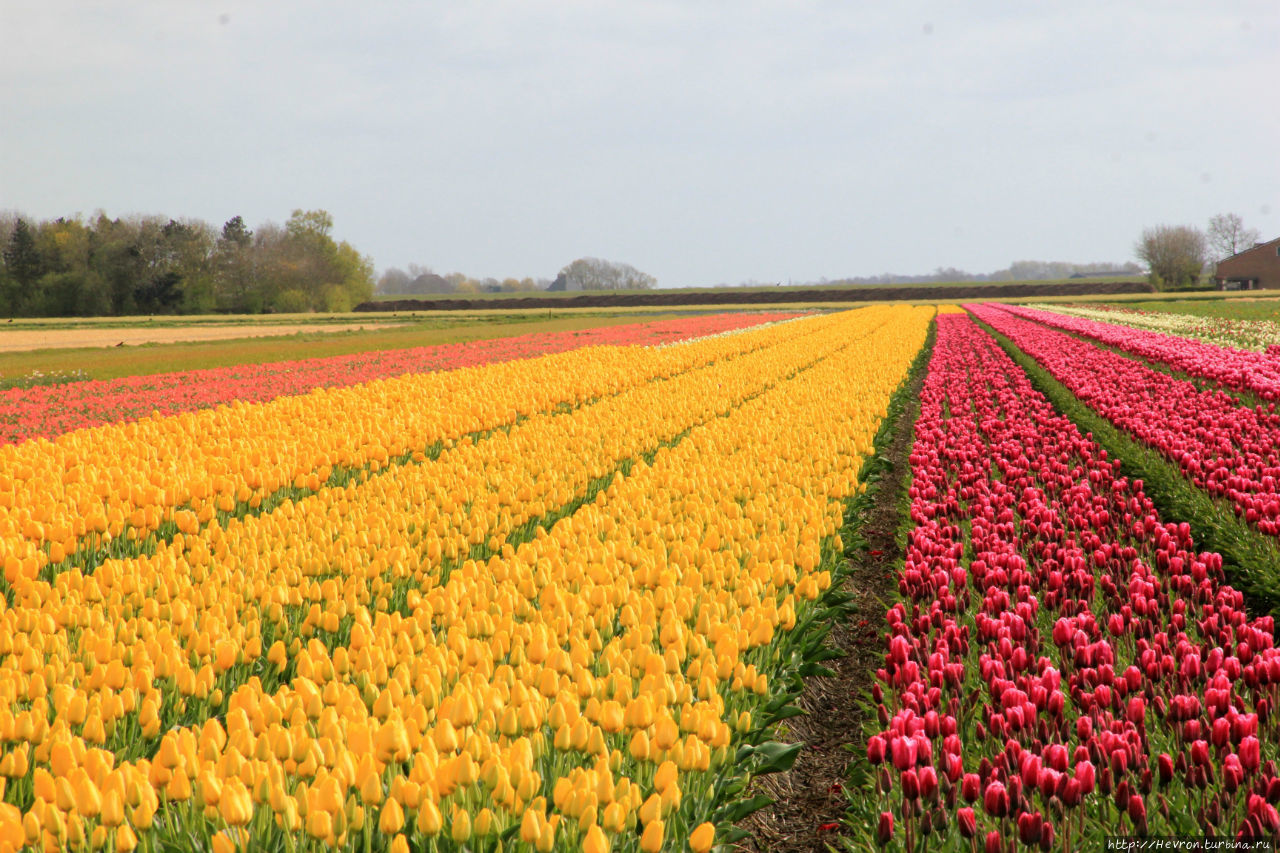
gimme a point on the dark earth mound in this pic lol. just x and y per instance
(728, 296)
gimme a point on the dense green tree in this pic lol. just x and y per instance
(233, 266)
(22, 268)
(159, 265)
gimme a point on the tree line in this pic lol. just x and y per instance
(581, 274)
(1178, 255)
(157, 265)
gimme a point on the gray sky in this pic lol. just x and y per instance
(699, 141)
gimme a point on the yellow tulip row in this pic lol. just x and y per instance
(95, 484)
(196, 608)
(572, 686)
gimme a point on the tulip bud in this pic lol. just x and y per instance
(996, 800)
(1266, 814)
(928, 782)
(1029, 827)
(1138, 814)
(910, 785)
(904, 753)
(1250, 753)
(1137, 710)
(992, 844)
(1200, 753)
(1086, 776)
(884, 832)
(1220, 732)
(876, 750)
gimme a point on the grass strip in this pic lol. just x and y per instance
(1251, 561)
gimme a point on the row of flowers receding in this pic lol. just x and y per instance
(87, 489)
(1228, 450)
(602, 684)
(1255, 373)
(1063, 665)
(1255, 335)
(288, 575)
(47, 411)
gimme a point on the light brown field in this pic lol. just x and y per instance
(25, 340)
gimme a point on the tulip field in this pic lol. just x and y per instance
(565, 592)
(1063, 664)
(50, 410)
(1247, 333)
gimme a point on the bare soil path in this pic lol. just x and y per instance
(810, 799)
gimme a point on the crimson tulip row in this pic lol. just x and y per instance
(1063, 665)
(1228, 450)
(1239, 369)
(50, 410)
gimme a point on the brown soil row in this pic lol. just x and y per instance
(727, 296)
(809, 799)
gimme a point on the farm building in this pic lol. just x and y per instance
(1251, 269)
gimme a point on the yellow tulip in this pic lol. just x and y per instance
(126, 841)
(651, 838)
(460, 825)
(429, 821)
(391, 820)
(595, 841)
(483, 824)
(702, 838)
(320, 824)
(665, 777)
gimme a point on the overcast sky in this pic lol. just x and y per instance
(702, 142)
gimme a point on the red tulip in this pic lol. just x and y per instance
(1086, 776)
(875, 750)
(1030, 825)
(1232, 772)
(910, 785)
(904, 751)
(1250, 753)
(970, 787)
(884, 832)
(928, 781)
(995, 799)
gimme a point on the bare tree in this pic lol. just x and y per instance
(1228, 236)
(394, 280)
(1175, 254)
